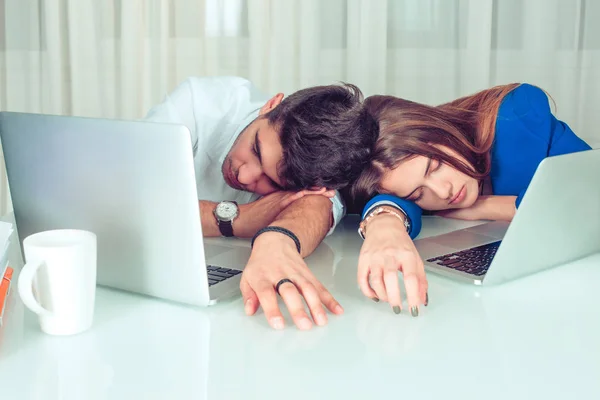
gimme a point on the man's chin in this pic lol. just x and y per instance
(227, 181)
(240, 188)
(225, 171)
(235, 187)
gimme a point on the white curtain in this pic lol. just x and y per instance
(116, 58)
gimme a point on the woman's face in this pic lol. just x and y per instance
(431, 184)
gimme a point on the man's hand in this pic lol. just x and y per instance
(259, 281)
(275, 257)
(496, 208)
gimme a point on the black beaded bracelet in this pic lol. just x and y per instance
(279, 229)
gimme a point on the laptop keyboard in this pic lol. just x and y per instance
(218, 274)
(474, 261)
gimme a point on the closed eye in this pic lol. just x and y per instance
(256, 148)
(419, 197)
(434, 166)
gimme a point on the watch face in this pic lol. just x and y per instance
(226, 211)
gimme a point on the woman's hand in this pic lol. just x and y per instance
(386, 250)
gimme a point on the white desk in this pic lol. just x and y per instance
(535, 338)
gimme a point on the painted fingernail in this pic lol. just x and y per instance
(414, 311)
(321, 320)
(397, 309)
(426, 299)
(304, 324)
(375, 299)
(277, 322)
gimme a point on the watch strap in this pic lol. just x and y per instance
(226, 228)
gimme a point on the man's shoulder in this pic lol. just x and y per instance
(224, 93)
(222, 82)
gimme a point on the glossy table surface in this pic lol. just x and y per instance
(534, 338)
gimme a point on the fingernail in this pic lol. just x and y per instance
(247, 307)
(397, 309)
(338, 309)
(375, 299)
(304, 324)
(426, 299)
(414, 311)
(321, 320)
(277, 322)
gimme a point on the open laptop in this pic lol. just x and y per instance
(133, 184)
(558, 221)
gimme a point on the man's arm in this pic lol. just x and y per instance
(309, 218)
(252, 216)
(209, 222)
(275, 257)
(258, 214)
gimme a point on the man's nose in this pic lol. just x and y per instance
(247, 175)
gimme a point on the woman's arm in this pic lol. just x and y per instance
(408, 208)
(495, 208)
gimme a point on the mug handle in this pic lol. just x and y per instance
(25, 287)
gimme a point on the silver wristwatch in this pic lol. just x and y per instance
(225, 212)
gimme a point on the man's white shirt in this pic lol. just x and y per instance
(216, 110)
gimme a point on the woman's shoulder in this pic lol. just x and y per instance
(525, 118)
(525, 101)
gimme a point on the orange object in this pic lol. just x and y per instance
(4, 289)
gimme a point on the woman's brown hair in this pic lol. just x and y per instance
(407, 129)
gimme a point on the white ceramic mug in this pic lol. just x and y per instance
(61, 265)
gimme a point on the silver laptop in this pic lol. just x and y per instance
(133, 184)
(558, 221)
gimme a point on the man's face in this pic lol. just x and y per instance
(252, 163)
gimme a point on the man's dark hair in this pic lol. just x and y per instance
(326, 134)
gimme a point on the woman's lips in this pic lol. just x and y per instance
(460, 196)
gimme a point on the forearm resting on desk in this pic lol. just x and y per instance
(494, 208)
(257, 214)
(207, 218)
(498, 208)
(309, 218)
(251, 218)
